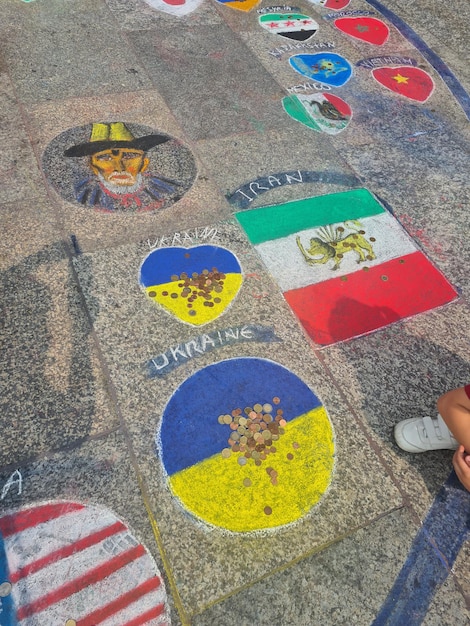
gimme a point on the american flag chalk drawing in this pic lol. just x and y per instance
(345, 265)
(67, 564)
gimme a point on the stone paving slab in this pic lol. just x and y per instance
(86, 391)
(111, 278)
(346, 583)
(99, 476)
(53, 393)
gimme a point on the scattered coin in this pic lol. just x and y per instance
(247, 482)
(5, 589)
(268, 510)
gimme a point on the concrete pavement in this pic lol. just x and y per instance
(234, 240)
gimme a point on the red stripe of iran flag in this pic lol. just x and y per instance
(355, 304)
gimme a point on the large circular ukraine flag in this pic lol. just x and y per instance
(246, 445)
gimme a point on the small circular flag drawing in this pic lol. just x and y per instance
(246, 445)
(323, 112)
(368, 29)
(292, 25)
(324, 67)
(67, 563)
(411, 82)
(195, 285)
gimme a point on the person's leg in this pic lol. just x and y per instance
(454, 408)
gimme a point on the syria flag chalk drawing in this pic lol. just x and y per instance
(76, 565)
(246, 445)
(292, 25)
(323, 112)
(195, 285)
(324, 67)
(411, 82)
(368, 29)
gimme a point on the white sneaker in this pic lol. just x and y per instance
(421, 434)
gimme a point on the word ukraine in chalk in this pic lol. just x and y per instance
(183, 352)
(185, 237)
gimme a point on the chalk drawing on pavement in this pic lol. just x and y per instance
(117, 167)
(255, 437)
(324, 67)
(175, 7)
(325, 113)
(64, 562)
(196, 285)
(411, 82)
(385, 279)
(368, 29)
(294, 26)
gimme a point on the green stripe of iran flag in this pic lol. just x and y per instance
(273, 222)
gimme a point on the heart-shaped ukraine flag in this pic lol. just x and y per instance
(195, 284)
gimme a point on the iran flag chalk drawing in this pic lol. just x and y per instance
(345, 265)
(246, 445)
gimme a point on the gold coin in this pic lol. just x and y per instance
(266, 435)
(243, 439)
(242, 421)
(247, 482)
(227, 419)
(267, 408)
(226, 453)
(258, 407)
(70, 622)
(255, 454)
(220, 419)
(267, 418)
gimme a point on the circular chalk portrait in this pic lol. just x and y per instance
(119, 167)
(246, 445)
(71, 564)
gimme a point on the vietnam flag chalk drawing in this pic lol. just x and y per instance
(345, 265)
(195, 284)
(411, 82)
(246, 445)
(76, 565)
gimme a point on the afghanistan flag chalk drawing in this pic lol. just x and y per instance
(345, 265)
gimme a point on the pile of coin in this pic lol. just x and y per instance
(204, 285)
(254, 431)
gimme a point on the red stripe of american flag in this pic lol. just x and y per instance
(124, 601)
(62, 553)
(74, 586)
(17, 522)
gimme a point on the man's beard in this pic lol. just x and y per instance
(121, 189)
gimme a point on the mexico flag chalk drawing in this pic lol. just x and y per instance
(345, 265)
(246, 445)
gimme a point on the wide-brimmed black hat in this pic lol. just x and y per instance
(114, 135)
